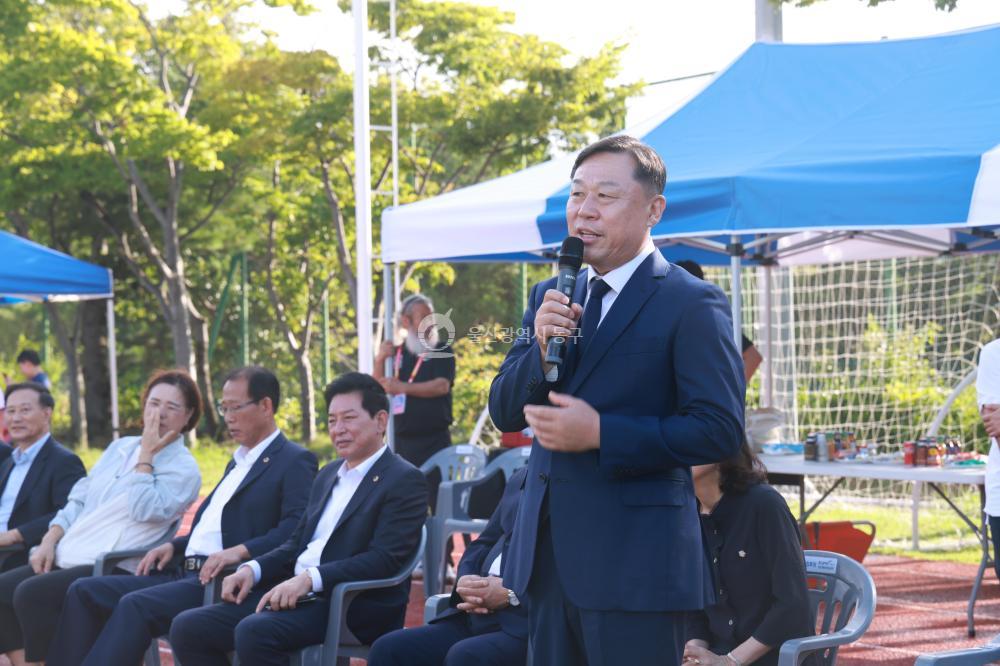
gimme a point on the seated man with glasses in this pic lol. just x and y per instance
(253, 509)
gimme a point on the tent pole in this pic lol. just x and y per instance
(767, 306)
(362, 187)
(113, 366)
(389, 298)
(735, 251)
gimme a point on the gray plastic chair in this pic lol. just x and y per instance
(106, 562)
(847, 593)
(968, 657)
(340, 644)
(455, 463)
(452, 514)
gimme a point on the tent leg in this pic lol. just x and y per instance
(767, 393)
(113, 367)
(735, 251)
(390, 274)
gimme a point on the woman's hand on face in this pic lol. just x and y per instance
(151, 441)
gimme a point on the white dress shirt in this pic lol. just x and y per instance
(206, 538)
(617, 278)
(348, 481)
(988, 393)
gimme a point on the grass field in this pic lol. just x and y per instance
(943, 535)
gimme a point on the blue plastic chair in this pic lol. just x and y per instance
(846, 592)
(452, 514)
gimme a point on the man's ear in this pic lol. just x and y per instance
(656, 207)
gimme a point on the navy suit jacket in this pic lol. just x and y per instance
(493, 541)
(666, 377)
(268, 503)
(44, 491)
(378, 531)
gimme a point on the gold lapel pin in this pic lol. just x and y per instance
(375, 479)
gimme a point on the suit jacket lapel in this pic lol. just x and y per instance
(262, 463)
(365, 489)
(318, 509)
(637, 291)
(30, 479)
(5, 468)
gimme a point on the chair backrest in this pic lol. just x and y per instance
(841, 596)
(456, 463)
(509, 461)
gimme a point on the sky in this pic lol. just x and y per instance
(665, 38)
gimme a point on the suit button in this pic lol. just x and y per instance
(730, 623)
(544, 477)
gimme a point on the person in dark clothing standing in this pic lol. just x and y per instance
(420, 386)
(758, 568)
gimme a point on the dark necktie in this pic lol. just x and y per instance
(591, 314)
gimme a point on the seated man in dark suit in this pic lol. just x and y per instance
(36, 477)
(363, 522)
(253, 509)
(487, 623)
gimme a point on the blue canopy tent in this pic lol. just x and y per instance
(794, 154)
(34, 273)
(888, 148)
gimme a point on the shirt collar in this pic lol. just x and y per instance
(29, 454)
(617, 278)
(245, 456)
(362, 469)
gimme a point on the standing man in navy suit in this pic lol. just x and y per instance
(607, 542)
(35, 479)
(363, 521)
(253, 509)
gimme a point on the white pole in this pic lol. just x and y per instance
(737, 293)
(113, 366)
(390, 331)
(768, 21)
(362, 187)
(768, 346)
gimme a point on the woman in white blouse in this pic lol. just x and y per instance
(132, 498)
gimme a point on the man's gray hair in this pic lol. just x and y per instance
(413, 301)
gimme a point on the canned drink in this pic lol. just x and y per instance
(809, 450)
(908, 454)
(822, 452)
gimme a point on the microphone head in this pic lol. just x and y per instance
(571, 254)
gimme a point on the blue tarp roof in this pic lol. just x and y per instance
(30, 271)
(894, 144)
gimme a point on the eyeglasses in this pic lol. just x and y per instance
(227, 409)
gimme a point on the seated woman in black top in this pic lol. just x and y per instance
(758, 568)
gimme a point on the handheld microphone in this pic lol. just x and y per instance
(570, 259)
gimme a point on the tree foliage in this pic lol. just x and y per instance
(162, 146)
